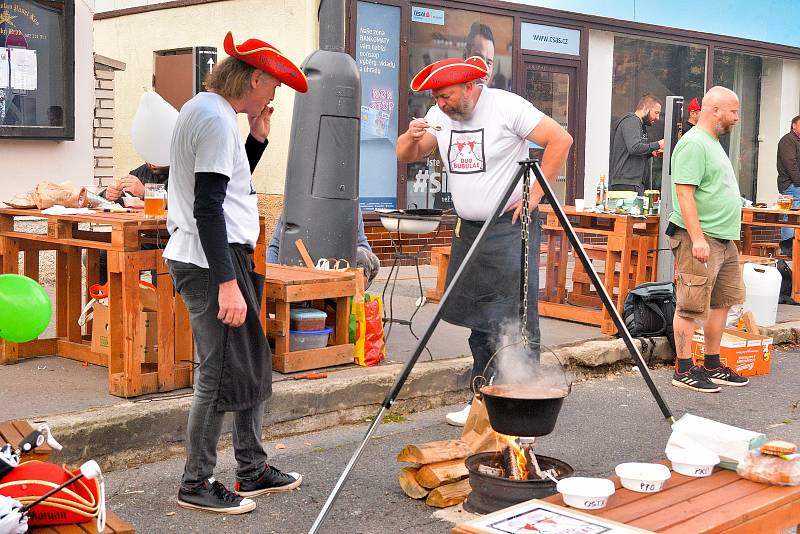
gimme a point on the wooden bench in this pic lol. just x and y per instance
(13, 432)
(721, 503)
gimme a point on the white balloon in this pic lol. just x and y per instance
(152, 128)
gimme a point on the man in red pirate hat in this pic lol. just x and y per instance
(482, 134)
(693, 115)
(213, 224)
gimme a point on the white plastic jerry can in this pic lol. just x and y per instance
(763, 287)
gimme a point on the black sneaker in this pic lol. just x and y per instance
(696, 379)
(212, 496)
(271, 481)
(726, 376)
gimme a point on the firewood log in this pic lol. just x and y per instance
(434, 475)
(449, 494)
(409, 484)
(435, 451)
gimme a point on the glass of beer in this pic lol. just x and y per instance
(155, 200)
(785, 202)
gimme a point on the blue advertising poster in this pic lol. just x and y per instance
(378, 59)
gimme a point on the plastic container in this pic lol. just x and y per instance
(584, 492)
(643, 477)
(693, 462)
(763, 287)
(308, 340)
(307, 319)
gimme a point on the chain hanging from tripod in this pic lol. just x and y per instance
(525, 220)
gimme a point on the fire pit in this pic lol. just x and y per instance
(491, 492)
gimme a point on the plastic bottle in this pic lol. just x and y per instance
(602, 193)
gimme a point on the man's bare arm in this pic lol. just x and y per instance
(415, 143)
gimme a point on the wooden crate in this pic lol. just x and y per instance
(286, 285)
(440, 256)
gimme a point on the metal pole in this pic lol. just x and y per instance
(601, 289)
(391, 396)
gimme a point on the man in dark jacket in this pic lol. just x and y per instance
(789, 176)
(631, 149)
(134, 182)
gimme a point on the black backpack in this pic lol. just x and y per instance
(649, 310)
(786, 283)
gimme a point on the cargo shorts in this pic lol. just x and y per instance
(698, 286)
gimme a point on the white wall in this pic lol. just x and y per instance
(780, 102)
(32, 161)
(598, 109)
(290, 26)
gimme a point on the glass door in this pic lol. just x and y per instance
(552, 89)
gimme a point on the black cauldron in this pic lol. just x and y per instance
(523, 410)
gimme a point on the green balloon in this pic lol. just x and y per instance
(24, 308)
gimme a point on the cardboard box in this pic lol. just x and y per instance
(145, 338)
(747, 354)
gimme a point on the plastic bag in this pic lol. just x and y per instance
(768, 469)
(478, 432)
(374, 345)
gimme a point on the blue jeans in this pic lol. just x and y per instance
(788, 233)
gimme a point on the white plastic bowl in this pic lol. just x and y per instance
(693, 462)
(132, 202)
(586, 493)
(642, 477)
(405, 224)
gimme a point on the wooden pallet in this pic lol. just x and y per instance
(440, 256)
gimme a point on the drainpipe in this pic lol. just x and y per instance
(332, 23)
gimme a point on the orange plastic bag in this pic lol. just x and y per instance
(374, 345)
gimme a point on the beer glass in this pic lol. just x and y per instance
(155, 200)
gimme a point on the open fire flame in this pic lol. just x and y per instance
(519, 455)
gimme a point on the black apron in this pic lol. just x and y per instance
(488, 293)
(246, 377)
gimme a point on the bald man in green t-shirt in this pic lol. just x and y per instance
(703, 228)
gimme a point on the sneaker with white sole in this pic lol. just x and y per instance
(696, 379)
(725, 376)
(458, 418)
(212, 496)
(271, 480)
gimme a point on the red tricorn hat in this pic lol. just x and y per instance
(266, 57)
(694, 105)
(449, 72)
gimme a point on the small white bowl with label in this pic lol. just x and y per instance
(584, 492)
(642, 477)
(693, 462)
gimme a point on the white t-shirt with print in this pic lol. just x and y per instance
(482, 153)
(207, 139)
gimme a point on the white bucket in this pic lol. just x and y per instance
(763, 286)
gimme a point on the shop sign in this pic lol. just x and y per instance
(427, 15)
(551, 39)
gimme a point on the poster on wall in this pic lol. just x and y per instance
(378, 59)
(437, 34)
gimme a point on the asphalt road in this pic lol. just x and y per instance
(604, 422)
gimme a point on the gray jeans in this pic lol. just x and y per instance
(205, 421)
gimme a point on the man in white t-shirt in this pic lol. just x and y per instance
(213, 223)
(482, 134)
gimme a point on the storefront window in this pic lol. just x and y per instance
(378, 57)
(644, 66)
(36, 77)
(741, 73)
(447, 33)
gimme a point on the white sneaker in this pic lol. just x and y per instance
(458, 418)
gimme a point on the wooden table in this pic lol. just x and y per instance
(630, 242)
(721, 503)
(287, 284)
(761, 217)
(127, 376)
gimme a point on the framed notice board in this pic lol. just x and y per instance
(37, 69)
